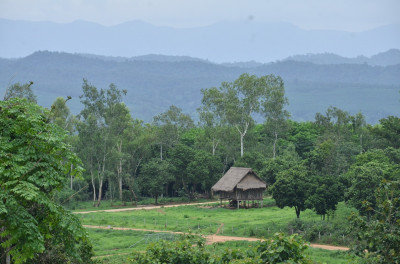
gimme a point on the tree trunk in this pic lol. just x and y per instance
(119, 172)
(100, 192)
(72, 177)
(156, 197)
(8, 258)
(275, 141)
(214, 146)
(241, 144)
(120, 189)
(94, 186)
(161, 152)
(297, 211)
(242, 134)
(186, 189)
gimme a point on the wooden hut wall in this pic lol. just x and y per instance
(227, 195)
(251, 194)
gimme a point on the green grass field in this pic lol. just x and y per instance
(78, 206)
(204, 219)
(256, 222)
(112, 246)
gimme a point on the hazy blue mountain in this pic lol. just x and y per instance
(154, 85)
(390, 57)
(149, 57)
(220, 42)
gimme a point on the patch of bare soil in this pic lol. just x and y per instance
(160, 211)
(219, 228)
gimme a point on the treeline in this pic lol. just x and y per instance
(337, 157)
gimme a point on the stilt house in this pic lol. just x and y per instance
(240, 184)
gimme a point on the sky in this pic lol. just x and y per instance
(344, 15)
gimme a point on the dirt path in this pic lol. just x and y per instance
(211, 239)
(149, 207)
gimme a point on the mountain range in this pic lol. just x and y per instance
(154, 82)
(234, 41)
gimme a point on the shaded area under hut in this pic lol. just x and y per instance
(240, 185)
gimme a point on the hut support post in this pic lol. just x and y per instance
(237, 204)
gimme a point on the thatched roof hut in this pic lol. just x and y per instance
(240, 184)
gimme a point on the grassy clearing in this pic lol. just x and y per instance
(79, 206)
(113, 242)
(119, 253)
(257, 222)
(204, 219)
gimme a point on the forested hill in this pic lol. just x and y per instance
(390, 57)
(154, 83)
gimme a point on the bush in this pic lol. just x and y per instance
(283, 249)
(190, 250)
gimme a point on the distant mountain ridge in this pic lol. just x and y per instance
(220, 42)
(390, 57)
(157, 82)
(387, 58)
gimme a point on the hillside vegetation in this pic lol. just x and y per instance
(155, 82)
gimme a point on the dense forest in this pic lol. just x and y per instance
(313, 164)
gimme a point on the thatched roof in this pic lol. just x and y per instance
(242, 178)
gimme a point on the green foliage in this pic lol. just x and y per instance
(324, 194)
(283, 249)
(389, 131)
(365, 175)
(281, 163)
(378, 239)
(304, 136)
(18, 90)
(181, 251)
(191, 250)
(155, 174)
(291, 188)
(34, 160)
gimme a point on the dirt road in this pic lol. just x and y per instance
(212, 238)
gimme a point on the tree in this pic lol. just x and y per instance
(378, 239)
(170, 125)
(154, 176)
(236, 102)
(275, 166)
(140, 138)
(180, 157)
(325, 193)
(119, 121)
(34, 162)
(204, 170)
(104, 119)
(273, 103)
(389, 130)
(292, 188)
(93, 144)
(61, 115)
(304, 136)
(364, 177)
(18, 90)
(213, 129)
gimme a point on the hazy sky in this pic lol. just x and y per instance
(348, 15)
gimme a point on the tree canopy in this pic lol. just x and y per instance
(34, 162)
